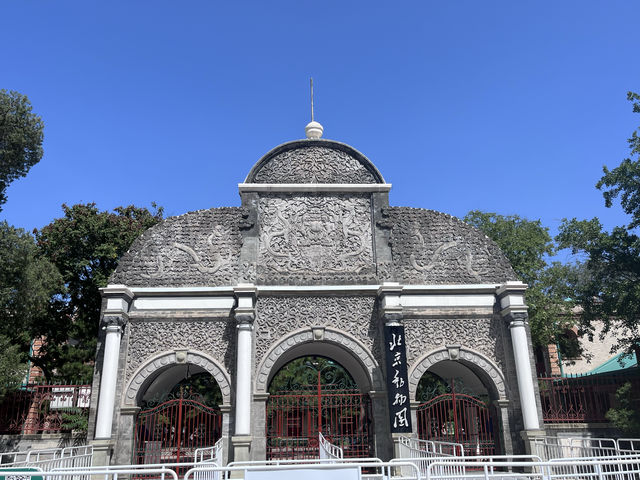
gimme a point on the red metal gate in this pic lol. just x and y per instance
(294, 419)
(459, 418)
(173, 430)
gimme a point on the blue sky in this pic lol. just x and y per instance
(502, 106)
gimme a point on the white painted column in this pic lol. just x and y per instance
(245, 315)
(511, 296)
(109, 375)
(243, 379)
(523, 371)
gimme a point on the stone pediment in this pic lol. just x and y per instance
(199, 248)
(312, 162)
(429, 247)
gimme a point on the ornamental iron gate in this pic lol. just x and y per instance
(297, 410)
(171, 431)
(458, 418)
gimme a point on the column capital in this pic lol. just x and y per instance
(114, 322)
(245, 311)
(118, 298)
(518, 318)
(390, 306)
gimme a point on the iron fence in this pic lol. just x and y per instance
(45, 409)
(585, 398)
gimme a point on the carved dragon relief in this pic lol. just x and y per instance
(315, 234)
(159, 259)
(213, 241)
(449, 250)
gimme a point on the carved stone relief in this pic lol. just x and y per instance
(315, 238)
(313, 165)
(481, 334)
(216, 338)
(278, 316)
(432, 247)
(467, 356)
(198, 248)
(170, 358)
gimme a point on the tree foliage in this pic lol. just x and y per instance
(528, 244)
(21, 135)
(610, 292)
(85, 246)
(27, 283)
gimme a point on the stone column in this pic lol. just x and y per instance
(113, 324)
(118, 299)
(514, 310)
(245, 315)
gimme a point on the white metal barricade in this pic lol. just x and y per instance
(313, 471)
(209, 454)
(291, 461)
(104, 473)
(493, 461)
(410, 447)
(628, 445)
(327, 449)
(565, 469)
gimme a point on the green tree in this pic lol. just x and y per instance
(85, 246)
(527, 244)
(21, 135)
(610, 291)
(27, 283)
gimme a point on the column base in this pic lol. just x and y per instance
(241, 451)
(528, 437)
(102, 451)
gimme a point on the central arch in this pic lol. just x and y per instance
(334, 344)
(360, 365)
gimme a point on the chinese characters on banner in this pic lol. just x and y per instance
(397, 379)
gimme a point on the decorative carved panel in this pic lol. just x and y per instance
(216, 338)
(433, 247)
(196, 249)
(278, 316)
(313, 165)
(482, 334)
(315, 239)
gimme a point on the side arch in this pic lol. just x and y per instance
(165, 360)
(276, 356)
(489, 372)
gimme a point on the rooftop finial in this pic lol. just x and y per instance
(313, 129)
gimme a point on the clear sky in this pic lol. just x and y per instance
(502, 106)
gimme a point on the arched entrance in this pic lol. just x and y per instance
(315, 394)
(179, 413)
(455, 407)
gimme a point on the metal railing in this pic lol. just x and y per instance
(327, 449)
(560, 469)
(315, 469)
(50, 458)
(581, 398)
(209, 454)
(85, 473)
(410, 447)
(494, 462)
(548, 447)
(44, 408)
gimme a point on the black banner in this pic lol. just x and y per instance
(397, 379)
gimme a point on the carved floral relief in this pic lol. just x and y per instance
(313, 165)
(279, 316)
(311, 235)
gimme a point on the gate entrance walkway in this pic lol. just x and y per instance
(171, 431)
(312, 395)
(458, 418)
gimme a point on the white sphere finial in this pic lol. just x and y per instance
(313, 130)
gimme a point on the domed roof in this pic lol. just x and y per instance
(314, 161)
